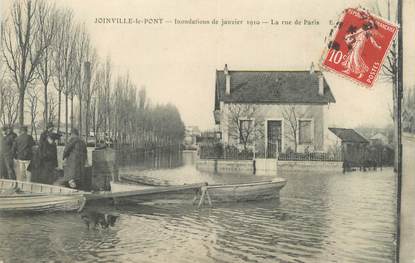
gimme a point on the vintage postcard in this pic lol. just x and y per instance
(207, 131)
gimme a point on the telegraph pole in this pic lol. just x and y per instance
(398, 124)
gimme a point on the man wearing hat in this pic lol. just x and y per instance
(22, 152)
(7, 151)
(44, 134)
(75, 153)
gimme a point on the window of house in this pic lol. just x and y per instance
(245, 129)
(218, 135)
(304, 132)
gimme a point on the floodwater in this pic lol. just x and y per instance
(318, 218)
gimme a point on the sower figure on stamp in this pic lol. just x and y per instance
(75, 153)
(23, 152)
(7, 152)
(356, 40)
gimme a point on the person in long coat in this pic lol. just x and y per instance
(3, 171)
(7, 152)
(45, 160)
(23, 153)
(44, 134)
(75, 153)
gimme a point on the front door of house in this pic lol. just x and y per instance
(273, 138)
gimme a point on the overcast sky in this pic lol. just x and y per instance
(177, 63)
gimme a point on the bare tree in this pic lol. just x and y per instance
(71, 79)
(3, 84)
(245, 123)
(105, 106)
(63, 60)
(33, 99)
(142, 98)
(83, 46)
(52, 108)
(52, 105)
(89, 90)
(98, 101)
(9, 105)
(291, 116)
(47, 19)
(20, 51)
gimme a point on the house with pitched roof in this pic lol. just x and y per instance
(354, 147)
(273, 111)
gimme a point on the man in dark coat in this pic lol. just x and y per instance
(44, 134)
(46, 160)
(7, 151)
(75, 153)
(23, 152)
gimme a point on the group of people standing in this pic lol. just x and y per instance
(22, 159)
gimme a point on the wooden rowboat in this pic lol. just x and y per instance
(263, 190)
(191, 193)
(18, 196)
(138, 193)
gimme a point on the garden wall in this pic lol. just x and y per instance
(334, 166)
(225, 166)
(265, 166)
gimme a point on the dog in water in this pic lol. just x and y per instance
(95, 219)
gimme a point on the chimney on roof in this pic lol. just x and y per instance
(227, 80)
(312, 68)
(321, 85)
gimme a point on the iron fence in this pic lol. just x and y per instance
(311, 156)
(219, 151)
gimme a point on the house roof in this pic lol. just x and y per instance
(348, 135)
(271, 87)
(378, 136)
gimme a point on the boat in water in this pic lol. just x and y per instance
(151, 190)
(18, 196)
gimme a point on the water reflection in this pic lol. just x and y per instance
(318, 218)
(94, 219)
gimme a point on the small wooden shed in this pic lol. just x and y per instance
(354, 146)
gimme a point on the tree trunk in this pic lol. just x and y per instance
(59, 109)
(80, 116)
(87, 120)
(72, 112)
(295, 142)
(21, 107)
(66, 118)
(34, 126)
(95, 127)
(45, 110)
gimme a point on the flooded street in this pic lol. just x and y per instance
(318, 218)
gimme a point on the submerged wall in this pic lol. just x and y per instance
(264, 166)
(225, 166)
(309, 166)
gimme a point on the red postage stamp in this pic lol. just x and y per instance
(359, 46)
